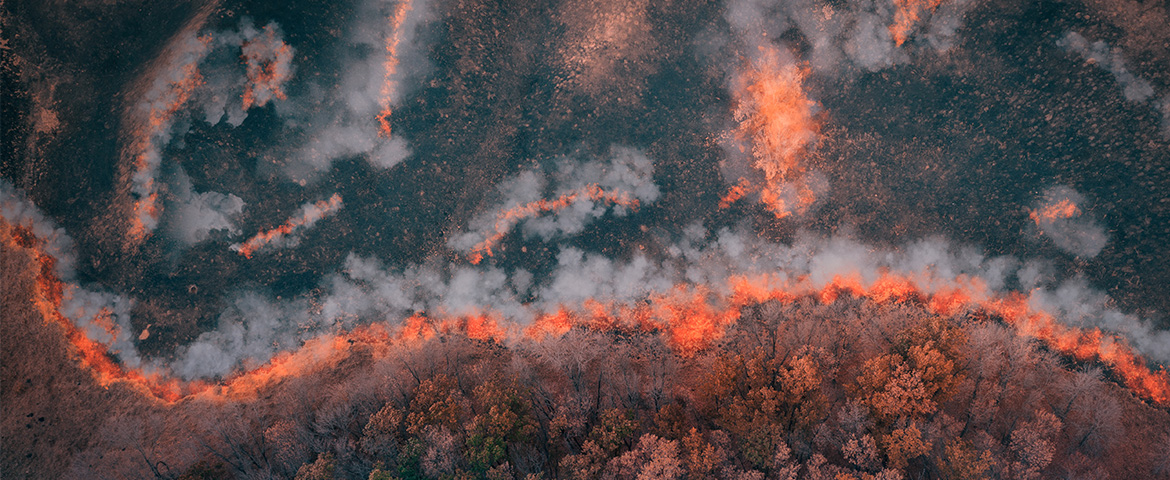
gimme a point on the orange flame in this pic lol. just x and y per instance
(92, 355)
(776, 118)
(506, 219)
(1057, 211)
(908, 14)
(736, 192)
(1085, 344)
(691, 318)
(145, 154)
(309, 215)
(784, 199)
(389, 85)
(552, 324)
(267, 68)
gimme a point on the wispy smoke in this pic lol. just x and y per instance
(287, 234)
(627, 173)
(1061, 217)
(867, 34)
(1135, 88)
(168, 91)
(229, 91)
(254, 328)
(777, 122)
(343, 120)
(1112, 60)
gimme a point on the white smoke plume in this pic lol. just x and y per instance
(1060, 215)
(1112, 60)
(251, 330)
(194, 215)
(230, 89)
(17, 209)
(348, 125)
(154, 114)
(254, 328)
(1078, 304)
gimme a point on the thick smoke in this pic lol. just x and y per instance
(250, 331)
(1112, 60)
(1061, 217)
(1078, 304)
(341, 121)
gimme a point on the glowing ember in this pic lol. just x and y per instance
(309, 214)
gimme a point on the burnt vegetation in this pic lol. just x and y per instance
(853, 389)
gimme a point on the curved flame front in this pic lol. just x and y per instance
(690, 317)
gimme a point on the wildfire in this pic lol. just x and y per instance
(782, 199)
(94, 356)
(389, 84)
(161, 107)
(736, 192)
(1048, 214)
(309, 214)
(507, 219)
(689, 317)
(777, 119)
(908, 14)
(268, 61)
